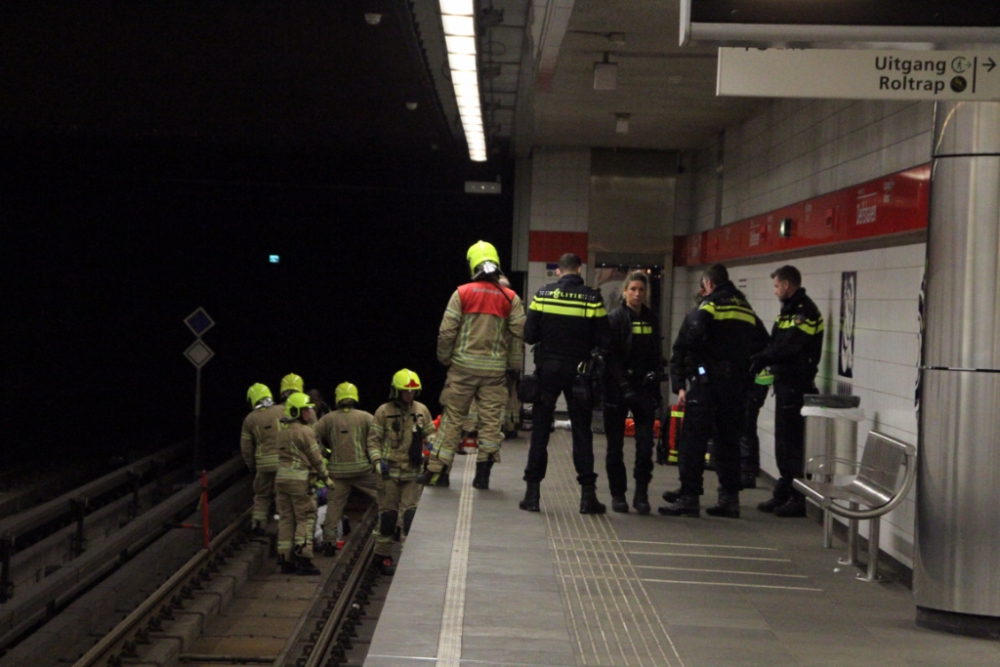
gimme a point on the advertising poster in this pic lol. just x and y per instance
(848, 307)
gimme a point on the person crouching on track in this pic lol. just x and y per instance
(481, 320)
(632, 383)
(257, 444)
(299, 463)
(396, 449)
(344, 434)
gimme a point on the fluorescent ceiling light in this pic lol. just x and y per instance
(458, 61)
(459, 25)
(466, 90)
(461, 45)
(464, 77)
(467, 103)
(457, 7)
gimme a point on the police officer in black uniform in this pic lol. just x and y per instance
(632, 382)
(793, 355)
(566, 321)
(713, 349)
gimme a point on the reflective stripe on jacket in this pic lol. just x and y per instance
(345, 433)
(298, 453)
(257, 441)
(480, 323)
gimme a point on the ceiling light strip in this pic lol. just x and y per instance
(459, 25)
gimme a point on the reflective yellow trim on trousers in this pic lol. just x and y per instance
(676, 413)
(566, 307)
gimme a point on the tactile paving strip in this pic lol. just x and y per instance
(611, 615)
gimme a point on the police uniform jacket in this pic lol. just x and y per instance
(257, 440)
(344, 433)
(568, 319)
(721, 335)
(796, 341)
(481, 322)
(391, 435)
(298, 454)
(635, 345)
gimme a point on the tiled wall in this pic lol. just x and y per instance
(886, 347)
(797, 149)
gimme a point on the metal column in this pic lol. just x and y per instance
(957, 558)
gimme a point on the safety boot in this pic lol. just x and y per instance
(795, 507)
(672, 496)
(640, 500)
(430, 478)
(532, 496)
(685, 505)
(727, 506)
(287, 566)
(771, 504)
(305, 567)
(329, 549)
(748, 479)
(384, 565)
(589, 504)
(258, 529)
(482, 478)
(619, 504)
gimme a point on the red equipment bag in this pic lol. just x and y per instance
(676, 422)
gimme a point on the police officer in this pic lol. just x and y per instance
(257, 445)
(632, 382)
(566, 321)
(793, 356)
(749, 441)
(395, 448)
(343, 436)
(713, 348)
(299, 465)
(482, 319)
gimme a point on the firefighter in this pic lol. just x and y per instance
(634, 365)
(515, 364)
(395, 448)
(793, 356)
(482, 319)
(343, 437)
(257, 444)
(299, 465)
(566, 322)
(290, 384)
(717, 341)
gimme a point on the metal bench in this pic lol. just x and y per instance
(875, 487)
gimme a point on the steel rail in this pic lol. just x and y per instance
(146, 616)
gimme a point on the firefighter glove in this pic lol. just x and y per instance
(382, 467)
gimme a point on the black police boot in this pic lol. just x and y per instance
(728, 506)
(589, 504)
(748, 479)
(686, 505)
(795, 507)
(771, 504)
(619, 504)
(287, 566)
(672, 496)
(482, 478)
(532, 496)
(384, 565)
(640, 501)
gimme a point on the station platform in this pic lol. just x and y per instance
(482, 583)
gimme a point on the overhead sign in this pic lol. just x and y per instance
(859, 74)
(199, 322)
(199, 353)
(817, 22)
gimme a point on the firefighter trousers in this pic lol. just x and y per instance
(263, 496)
(460, 388)
(296, 517)
(397, 500)
(336, 500)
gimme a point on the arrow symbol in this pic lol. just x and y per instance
(989, 65)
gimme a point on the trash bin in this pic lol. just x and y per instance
(831, 430)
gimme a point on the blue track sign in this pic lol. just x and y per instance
(199, 322)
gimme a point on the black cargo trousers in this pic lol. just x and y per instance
(644, 415)
(715, 407)
(789, 432)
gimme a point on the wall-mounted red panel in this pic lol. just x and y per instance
(888, 205)
(549, 246)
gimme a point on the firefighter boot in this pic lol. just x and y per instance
(532, 496)
(482, 478)
(384, 565)
(258, 529)
(686, 505)
(727, 506)
(589, 504)
(619, 504)
(431, 478)
(640, 501)
(303, 565)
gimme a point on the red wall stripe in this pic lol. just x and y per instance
(549, 246)
(888, 205)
